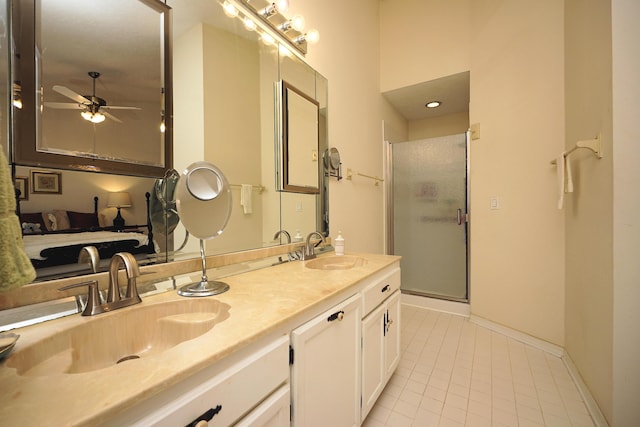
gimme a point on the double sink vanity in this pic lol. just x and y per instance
(299, 343)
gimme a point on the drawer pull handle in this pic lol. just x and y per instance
(385, 288)
(339, 315)
(202, 420)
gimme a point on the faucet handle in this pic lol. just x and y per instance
(93, 304)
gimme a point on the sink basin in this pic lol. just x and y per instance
(105, 340)
(336, 262)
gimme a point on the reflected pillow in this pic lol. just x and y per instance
(83, 220)
(60, 219)
(34, 218)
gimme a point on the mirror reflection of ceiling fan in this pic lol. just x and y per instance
(93, 107)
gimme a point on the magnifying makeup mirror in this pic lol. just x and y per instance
(203, 200)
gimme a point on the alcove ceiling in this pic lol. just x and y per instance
(452, 91)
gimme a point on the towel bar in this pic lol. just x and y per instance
(594, 145)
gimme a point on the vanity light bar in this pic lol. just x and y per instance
(272, 23)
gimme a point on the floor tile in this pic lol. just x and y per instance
(454, 373)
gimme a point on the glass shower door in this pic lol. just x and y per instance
(429, 215)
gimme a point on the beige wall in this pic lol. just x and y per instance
(232, 131)
(433, 35)
(450, 124)
(517, 97)
(349, 59)
(589, 210)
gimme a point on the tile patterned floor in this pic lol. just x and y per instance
(456, 373)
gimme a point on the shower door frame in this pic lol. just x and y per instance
(389, 217)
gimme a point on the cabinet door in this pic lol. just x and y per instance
(325, 376)
(373, 367)
(392, 335)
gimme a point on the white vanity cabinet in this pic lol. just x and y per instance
(249, 391)
(380, 336)
(325, 374)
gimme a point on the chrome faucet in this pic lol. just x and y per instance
(114, 299)
(286, 234)
(308, 251)
(292, 256)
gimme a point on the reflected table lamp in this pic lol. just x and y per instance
(119, 200)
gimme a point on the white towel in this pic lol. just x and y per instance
(246, 191)
(560, 162)
(567, 170)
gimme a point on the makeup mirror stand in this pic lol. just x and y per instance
(205, 287)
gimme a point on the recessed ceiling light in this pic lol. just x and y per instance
(433, 104)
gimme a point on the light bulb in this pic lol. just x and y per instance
(282, 5)
(17, 102)
(93, 117)
(229, 9)
(297, 22)
(98, 118)
(163, 128)
(284, 51)
(249, 24)
(312, 36)
(267, 39)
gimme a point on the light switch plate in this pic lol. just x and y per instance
(494, 202)
(475, 131)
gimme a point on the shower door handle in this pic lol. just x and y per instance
(460, 217)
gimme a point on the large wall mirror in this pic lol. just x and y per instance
(224, 87)
(94, 81)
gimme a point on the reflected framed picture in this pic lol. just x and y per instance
(43, 182)
(22, 184)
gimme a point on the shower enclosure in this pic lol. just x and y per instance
(428, 219)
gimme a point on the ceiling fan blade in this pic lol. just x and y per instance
(114, 107)
(111, 116)
(64, 105)
(62, 90)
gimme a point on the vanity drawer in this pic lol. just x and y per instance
(379, 290)
(229, 394)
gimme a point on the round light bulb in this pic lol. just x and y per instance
(312, 36)
(284, 51)
(249, 24)
(282, 5)
(229, 9)
(432, 104)
(267, 39)
(98, 118)
(297, 22)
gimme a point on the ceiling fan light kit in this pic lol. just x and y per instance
(93, 106)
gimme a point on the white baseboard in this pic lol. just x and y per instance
(452, 307)
(596, 414)
(543, 345)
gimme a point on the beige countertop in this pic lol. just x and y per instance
(261, 302)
